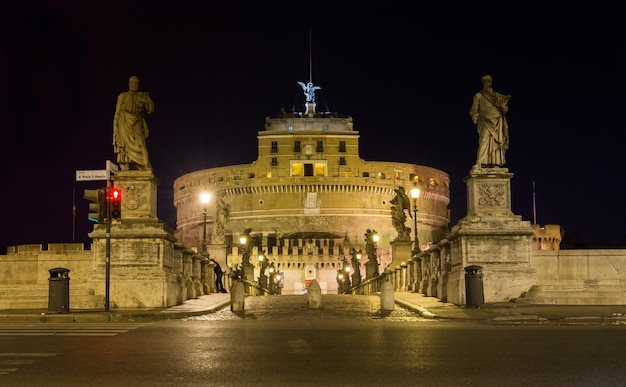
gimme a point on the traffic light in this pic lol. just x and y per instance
(116, 203)
(97, 205)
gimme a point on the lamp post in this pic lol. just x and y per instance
(271, 282)
(415, 194)
(244, 255)
(262, 266)
(205, 197)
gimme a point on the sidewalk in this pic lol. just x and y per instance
(513, 313)
(428, 307)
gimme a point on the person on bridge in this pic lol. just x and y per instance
(217, 269)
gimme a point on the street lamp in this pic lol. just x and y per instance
(415, 194)
(205, 197)
(262, 267)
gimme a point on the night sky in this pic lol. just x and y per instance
(405, 73)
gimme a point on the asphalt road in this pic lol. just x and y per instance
(347, 342)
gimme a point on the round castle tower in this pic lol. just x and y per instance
(308, 199)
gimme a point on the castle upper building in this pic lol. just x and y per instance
(308, 198)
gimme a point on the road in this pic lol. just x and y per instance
(277, 342)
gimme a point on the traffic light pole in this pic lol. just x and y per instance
(108, 247)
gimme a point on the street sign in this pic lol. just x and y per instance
(113, 169)
(100, 174)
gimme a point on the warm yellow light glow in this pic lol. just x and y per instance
(205, 197)
(297, 169)
(358, 255)
(260, 258)
(347, 269)
(243, 240)
(320, 169)
(375, 237)
(415, 193)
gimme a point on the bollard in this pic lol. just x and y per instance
(314, 295)
(237, 296)
(387, 301)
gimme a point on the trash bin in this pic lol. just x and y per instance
(59, 290)
(474, 294)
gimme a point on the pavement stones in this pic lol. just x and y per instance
(427, 307)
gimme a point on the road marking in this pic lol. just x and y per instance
(72, 329)
(15, 358)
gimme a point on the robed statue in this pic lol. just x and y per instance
(130, 129)
(488, 112)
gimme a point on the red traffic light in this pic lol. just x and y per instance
(116, 203)
(116, 194)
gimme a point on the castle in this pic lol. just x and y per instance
(308, 199)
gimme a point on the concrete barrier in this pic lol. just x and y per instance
(237, 296)
(314, 295)
(387, 296)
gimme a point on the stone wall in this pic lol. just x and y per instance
(178, 274)
(578, 277)
(24, 275)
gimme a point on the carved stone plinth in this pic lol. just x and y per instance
(143, 261)
(139, 193)
(493, 237)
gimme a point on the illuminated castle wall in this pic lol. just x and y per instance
(309, 197)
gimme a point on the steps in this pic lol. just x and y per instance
(29, 297)
(576, 293)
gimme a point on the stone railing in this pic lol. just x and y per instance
(425, 273)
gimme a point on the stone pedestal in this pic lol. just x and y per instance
(143, 251)
(493, 237)
(400, 252)
(248, 271)
(218, 253)
(371, 270)
(139, 194)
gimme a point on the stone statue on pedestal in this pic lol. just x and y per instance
(130, 129)
(221, 216)
(400, 204)
(488, 114)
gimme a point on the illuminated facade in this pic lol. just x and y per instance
(308, 198)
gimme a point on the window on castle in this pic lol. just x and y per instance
(297, 169)
(274, 162)
(366, 174)
(320, 146)
(296, 147)
(274, 147)
(308, 169)
(320, 169)
(342, 146)
(342, 161)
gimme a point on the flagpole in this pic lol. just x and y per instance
(73, 214)
(534, 206)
